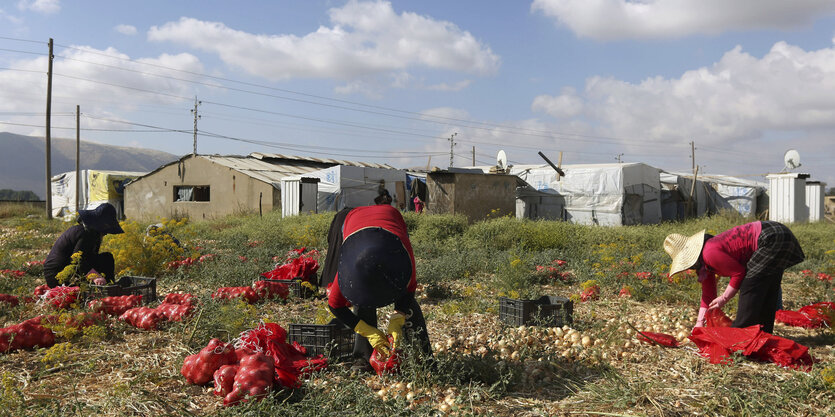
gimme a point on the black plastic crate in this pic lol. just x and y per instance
(127, 285)
(335, 341)
(544, 311)
(294, 287)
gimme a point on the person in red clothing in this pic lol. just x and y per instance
(753, 255)
(376, 268)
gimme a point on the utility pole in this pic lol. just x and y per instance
(77, 157)
(451, 145)
(48, 146)
(196, 118)
(693, 155)
(473, 155)
(618, 157)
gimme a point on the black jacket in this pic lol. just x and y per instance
(74, 239)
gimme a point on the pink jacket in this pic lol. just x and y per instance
(726, 255)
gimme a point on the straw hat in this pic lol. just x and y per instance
(684, 250)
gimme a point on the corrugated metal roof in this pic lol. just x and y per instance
(276, 156)
(268, 172)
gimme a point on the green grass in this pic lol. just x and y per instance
(462, 269)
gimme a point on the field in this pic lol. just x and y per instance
(481, 367)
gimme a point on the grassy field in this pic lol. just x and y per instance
(481, 367)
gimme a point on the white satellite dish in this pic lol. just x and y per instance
(791, 159)
(501, 160)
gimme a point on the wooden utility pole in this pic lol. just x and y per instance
(196, 118)
(77, 157)
(48, 146)
(473, 155)
(693, 156)
(451, 145)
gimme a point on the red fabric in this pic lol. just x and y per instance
(383, 216)
(726, 254)
(290, 360)
(717, 318)
(717, 344)
(811, 316)
(662, 339)
(302, 266)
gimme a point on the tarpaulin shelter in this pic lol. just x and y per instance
(343, 186)
(604, 194)
(96, 187)
(710, 195)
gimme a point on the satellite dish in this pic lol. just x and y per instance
(501, 160)
(791, 159)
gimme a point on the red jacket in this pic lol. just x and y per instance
(383, 216)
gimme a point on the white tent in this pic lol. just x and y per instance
(605, 194)
(97, 187)
(712, 193)
(343, 186)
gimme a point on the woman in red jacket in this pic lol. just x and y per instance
(753, 255)
(376, 268)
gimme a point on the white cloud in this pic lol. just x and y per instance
(564, 106)
(457, 86)
(366, 39)
(739, 103)
(14, 20)
(125, 29)
(619, 19)
(99, 95)
(40, 6)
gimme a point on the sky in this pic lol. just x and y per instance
(404, 82)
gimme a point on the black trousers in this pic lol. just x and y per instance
(758, 299)
(103, 263)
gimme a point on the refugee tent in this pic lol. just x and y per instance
(712, 194)
(96, 187)
(604, 194)
(343, 186)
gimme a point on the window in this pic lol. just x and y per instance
(191, 193)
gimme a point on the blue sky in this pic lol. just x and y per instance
(392, 81)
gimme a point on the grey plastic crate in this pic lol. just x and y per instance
(544, 311)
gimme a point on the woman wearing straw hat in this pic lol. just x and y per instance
(753, 255)
(376, 268)
(84, 238)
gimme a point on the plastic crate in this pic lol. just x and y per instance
(144, 286)
(544, 311)
(294, 286)
(335, 341)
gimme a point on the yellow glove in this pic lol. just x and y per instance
(395, 328)
(375, 337)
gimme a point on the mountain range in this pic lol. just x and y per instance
(23, 160)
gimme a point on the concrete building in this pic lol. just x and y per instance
(474, 194)
(211, 186)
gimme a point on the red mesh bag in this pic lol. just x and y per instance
(115, 306)
(200, 368)
(143, 317)
(272, 289)
(26, 335)
(175, 312)
(716, 318)
(290, 361)
(178, 298)
(717, 344)
(662, 339)
(386, 365)
(230, 293)
(10, 299)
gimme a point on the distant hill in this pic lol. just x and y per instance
(23, 164)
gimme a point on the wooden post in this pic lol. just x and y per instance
(77, 158)
(48, 146)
